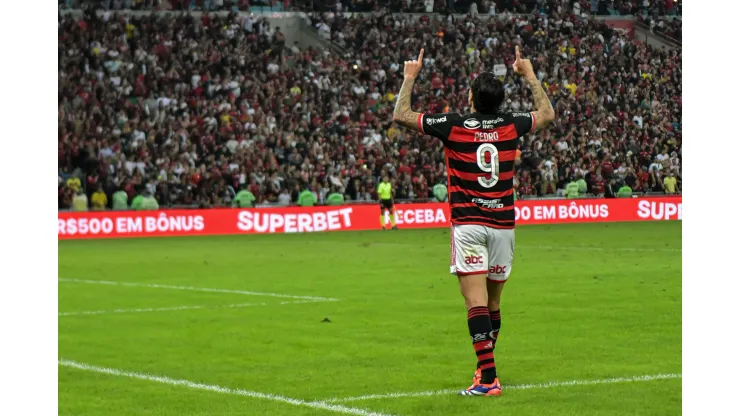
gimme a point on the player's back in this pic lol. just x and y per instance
(480, 150)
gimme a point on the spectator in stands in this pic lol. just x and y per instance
(119, 199)
(630, 178)
(572, 190)
(610, 191)
(99, 199)
(596, 182)
(669, 183)
(491, 7)
(335, 197)
(243, 199)
(675, 164)
(624, 191)
(79, 201)
(548, 169)
(582, 185)
(643, 178)
(440, 192)
(74, 183)
(283, 198)
(655, 181)
(148, 201)
(428, 6)
(307, 198)
(137, 200)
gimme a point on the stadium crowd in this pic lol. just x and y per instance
(191, 110)
(602, 7)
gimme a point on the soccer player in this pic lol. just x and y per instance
(480, 149)
(385, 194)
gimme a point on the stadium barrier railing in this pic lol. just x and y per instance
(660, 35)
(231, 221)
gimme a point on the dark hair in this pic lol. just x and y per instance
(488, 93)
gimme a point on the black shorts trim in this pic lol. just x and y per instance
(386, 204)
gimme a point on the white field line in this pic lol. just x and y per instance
(298, 302)
(181, 308)
(196, 289)
(548, 385)
(173, 308)
(219, 389)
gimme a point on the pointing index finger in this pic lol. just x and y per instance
(421, 55)
(518, 54)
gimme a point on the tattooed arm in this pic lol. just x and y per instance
(402, 114)
(544, 112)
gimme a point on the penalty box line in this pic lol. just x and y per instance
(549, 385)
(196, 289)
(182, 308)
(219, 389)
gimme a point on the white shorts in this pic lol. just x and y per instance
(477, 249)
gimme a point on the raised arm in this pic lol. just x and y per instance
(544, 112)
(402, 114)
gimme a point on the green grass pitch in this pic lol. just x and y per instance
(583, 303)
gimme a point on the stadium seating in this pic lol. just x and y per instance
(670, 27)
(192, 109)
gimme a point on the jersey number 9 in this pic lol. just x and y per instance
(489, 167)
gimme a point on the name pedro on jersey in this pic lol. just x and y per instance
(486, 136)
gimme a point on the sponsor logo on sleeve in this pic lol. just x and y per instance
(431, 121)
(528, 115)
(471, 123)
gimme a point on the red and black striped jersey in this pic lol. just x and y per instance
(480, 150)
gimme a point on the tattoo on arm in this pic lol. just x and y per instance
(545, 113)
(402, 114)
